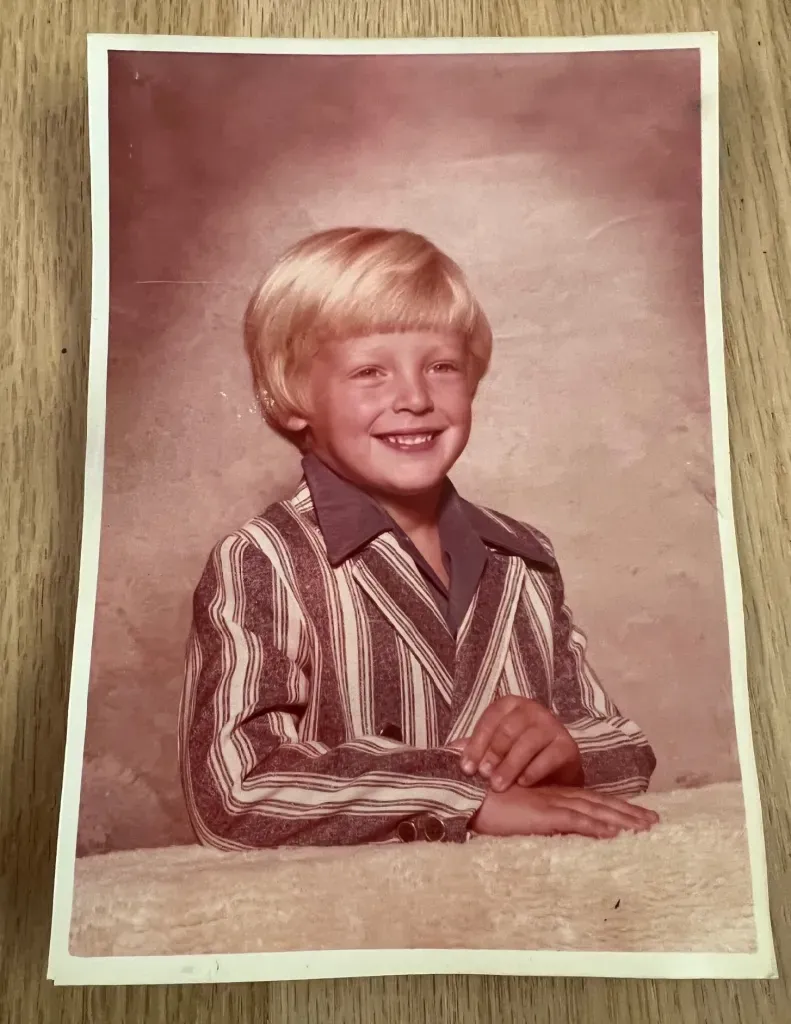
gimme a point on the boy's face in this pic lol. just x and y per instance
(391, 412)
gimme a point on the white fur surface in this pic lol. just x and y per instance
(685, 886)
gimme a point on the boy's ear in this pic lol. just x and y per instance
(295, 423)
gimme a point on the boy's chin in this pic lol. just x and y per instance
(411, 485)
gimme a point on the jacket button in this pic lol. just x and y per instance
(407, 831)
(433, 828)
(391, 732)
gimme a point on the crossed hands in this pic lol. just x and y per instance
(536, 780)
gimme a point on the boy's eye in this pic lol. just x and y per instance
(366, 372)
(445, 367)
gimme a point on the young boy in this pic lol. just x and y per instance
(375, 659)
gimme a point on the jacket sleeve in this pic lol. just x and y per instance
(616, 757)
(249, 778)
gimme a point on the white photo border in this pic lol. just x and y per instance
(65, 969)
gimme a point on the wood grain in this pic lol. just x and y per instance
(44, 291)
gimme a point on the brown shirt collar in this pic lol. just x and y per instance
(349, 519)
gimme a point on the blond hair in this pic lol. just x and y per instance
(347, 283)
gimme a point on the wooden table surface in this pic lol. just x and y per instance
(44, 291)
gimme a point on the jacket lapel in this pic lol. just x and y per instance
(483, 641)
(393, 582)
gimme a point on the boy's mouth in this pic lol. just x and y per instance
(410, 441)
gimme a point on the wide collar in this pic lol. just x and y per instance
(349, 519)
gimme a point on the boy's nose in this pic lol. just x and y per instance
(412, 396)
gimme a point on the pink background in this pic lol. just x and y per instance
(568, 188)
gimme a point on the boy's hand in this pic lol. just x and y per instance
(517, 739)
(553, 810)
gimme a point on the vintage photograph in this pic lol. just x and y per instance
(410, 614)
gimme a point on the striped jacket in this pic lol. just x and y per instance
(320, 702)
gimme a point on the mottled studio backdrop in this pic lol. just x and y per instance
(568, 186)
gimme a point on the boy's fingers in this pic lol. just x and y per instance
(634, 810)
(546, 761)
(608, 815)
(509, 730)
(524, 750)
(481, 735)
(568, 821)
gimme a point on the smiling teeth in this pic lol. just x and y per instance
(409, 439)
